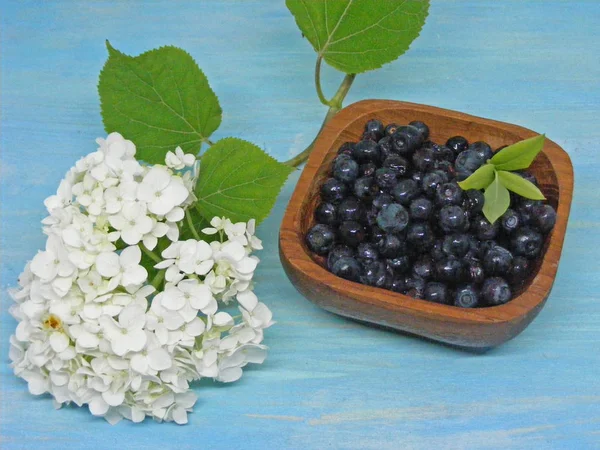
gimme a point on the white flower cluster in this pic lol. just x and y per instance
(95, 328)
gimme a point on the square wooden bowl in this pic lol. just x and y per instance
(478, 328)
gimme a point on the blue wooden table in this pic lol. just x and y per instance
(328, 382)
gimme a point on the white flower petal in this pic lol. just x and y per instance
(248, 300)
(113, 398)
(59, 342)
(98, 407)
(159, 359)
(107, 264)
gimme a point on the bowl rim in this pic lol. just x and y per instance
(297, 255)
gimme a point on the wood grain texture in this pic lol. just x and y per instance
(328, 382)
(481, 328)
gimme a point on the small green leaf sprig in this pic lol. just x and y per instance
(497, 179)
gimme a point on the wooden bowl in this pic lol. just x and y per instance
(477, 328)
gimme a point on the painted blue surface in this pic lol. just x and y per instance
(328, 382)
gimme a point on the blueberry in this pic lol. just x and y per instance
(437, 292)
(347, 267)
(382, 199)
(497, 261)
(527, 242)
(386, 178)
(369, 136)
(367, 169)
(405, 191)
(376, 234)
(452, 219)
(449, 269)
(326, 213)
(370, 216)
(520, 270)
(447, 167)
(347, 148)
(473, 201)
(526, 208)
(420, 235)
(432, 180)
(338, 252)
(417, 177)
(441, 153)
(474, 272)
(485, 246)
(366, 151)
(365, 187)
(391, 246)
(345, 169)
(351, 233)
(437, 251)
(510, 221)
(350, 209)
(544, 217)
(457, 144)
(385, 147)
(456, 245)
(333, 191)
(422, 127)
(320, 239)
(367, 252)
(374, 273)
(375, 126)
(423, 268)
(398, 284)
(449, 194)
(495, 291)
(392, 218)
(466, 297)
(415, 134)
(399, 264)
(468, 161)
(390, 129)
(420, 208)
(423, 159)
(482, 149)
(415, 287)
(484, 229)
(398, 164)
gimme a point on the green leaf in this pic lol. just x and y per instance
(520, 185)
(480, 179)
(520, 155)
(496, 200)
(359, 35)
(238, 180)
(159, 100)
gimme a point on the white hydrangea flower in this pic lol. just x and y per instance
(179, 160)
(162, 191)
(96, 329)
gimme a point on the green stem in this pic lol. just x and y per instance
(318, 82)
(188, 217)
(153, 256)
(158, 279)
(335, 105)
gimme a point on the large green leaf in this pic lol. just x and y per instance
(238, 180)
(520, 155)
(159, 100)
(359, 35)
(497, 200)
(520, 185)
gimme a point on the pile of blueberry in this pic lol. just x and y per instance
(393, 216)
